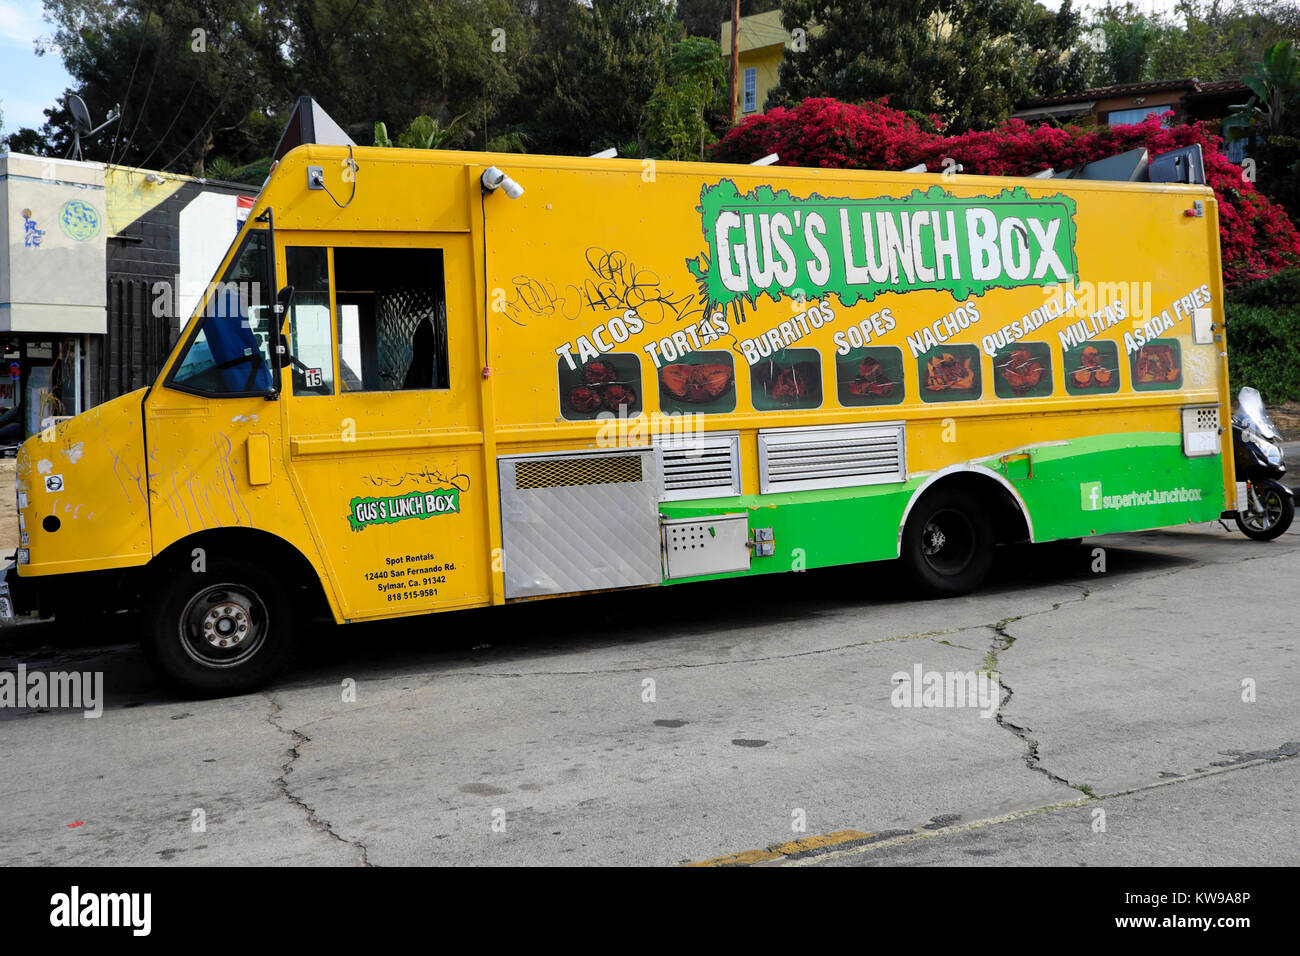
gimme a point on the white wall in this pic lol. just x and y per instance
(207, 227)
(52, 278)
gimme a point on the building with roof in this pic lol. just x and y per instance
(762, 43)
(99, 264)
(1188, 98)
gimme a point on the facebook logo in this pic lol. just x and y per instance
(1090, 492)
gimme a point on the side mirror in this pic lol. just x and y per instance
(282, 358)
(283, 300)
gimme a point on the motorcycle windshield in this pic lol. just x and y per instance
(1250, 409)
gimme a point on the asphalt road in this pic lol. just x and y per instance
(529, 734)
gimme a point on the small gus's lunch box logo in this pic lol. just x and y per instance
(417, 504)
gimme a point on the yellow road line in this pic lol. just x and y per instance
(778, 850)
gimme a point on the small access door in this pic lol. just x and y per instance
(383, 419)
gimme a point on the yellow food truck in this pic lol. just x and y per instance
(425, 380)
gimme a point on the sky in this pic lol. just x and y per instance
(1146, 6)
(28, 83)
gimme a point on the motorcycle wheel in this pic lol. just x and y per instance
(1279, 511)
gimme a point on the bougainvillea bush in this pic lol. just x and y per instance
(1257, 238)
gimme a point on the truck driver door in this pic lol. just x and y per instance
(383, 423)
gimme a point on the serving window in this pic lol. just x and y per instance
(392, 319)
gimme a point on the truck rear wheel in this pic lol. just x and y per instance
(225, 630)
(948, 543)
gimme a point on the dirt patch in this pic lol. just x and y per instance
(1287, 418)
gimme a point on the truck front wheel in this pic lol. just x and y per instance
(225, 630)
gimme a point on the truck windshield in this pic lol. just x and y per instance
(229, 355)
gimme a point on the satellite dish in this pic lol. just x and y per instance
(80, 114)
(81, 124)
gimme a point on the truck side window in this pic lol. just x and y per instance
(311, 342)
(392, 319)
(229, 353)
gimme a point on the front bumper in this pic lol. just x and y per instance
(23, 596)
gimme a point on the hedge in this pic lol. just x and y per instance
(1263, 320)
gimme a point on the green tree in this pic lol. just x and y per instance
(589, 80)
(195, 79)
(549, 29)
(200, 79)
(1062, 62)
(401, 59)
(423, 132)
(1127, 39)
(971, 62)
(704, 18)
(693, 86)
(1275, 94)
(1207, 39)
(1270, 119)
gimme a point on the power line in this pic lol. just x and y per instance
(144, 163)
(184, 149)
(202, 128)
(334, 35)
(144, 34)
(157, 61)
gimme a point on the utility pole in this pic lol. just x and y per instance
(734, 83)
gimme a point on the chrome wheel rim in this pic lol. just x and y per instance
(1272, 503)
(224, 625)
(948, 541)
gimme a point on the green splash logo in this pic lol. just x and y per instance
(769, 242)
(417, 504)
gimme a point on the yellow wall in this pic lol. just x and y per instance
(762, 45)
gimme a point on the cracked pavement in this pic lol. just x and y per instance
(525, 735)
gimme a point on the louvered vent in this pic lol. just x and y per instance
(562, 472)
(831, 456)
(703, 466)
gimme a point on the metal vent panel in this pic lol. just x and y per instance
(587, 470)
(711, 544)
(704, 466)
(1201, 431)
(830, 456)
(560, 534)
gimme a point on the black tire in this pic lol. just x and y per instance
(194, 612)
(947, 545)
(1279, 513)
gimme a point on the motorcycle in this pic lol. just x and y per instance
(1258, 464)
